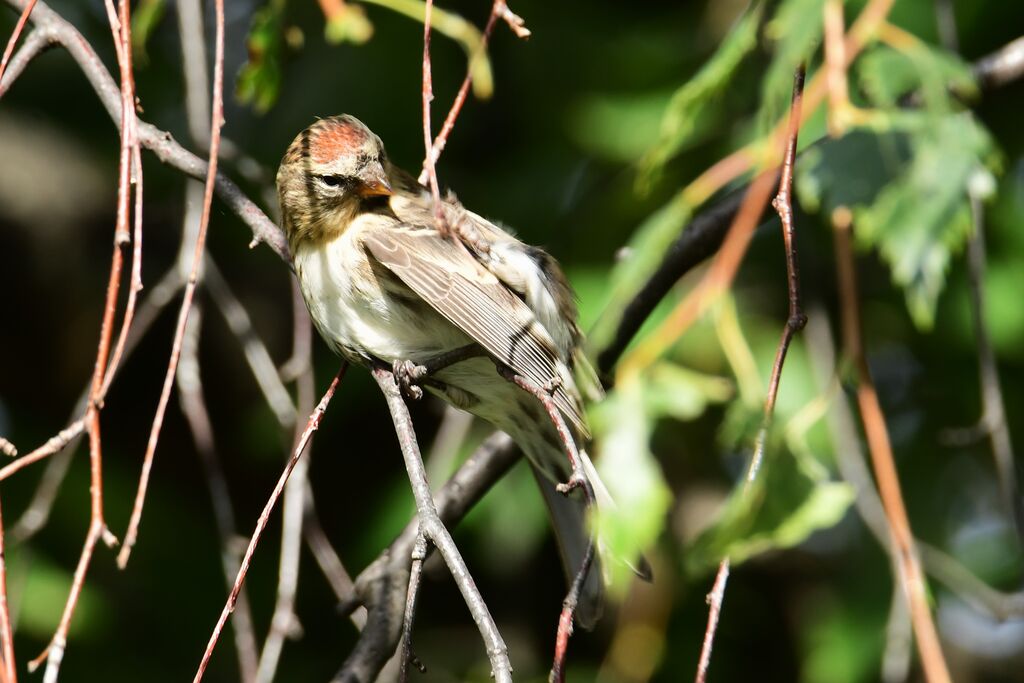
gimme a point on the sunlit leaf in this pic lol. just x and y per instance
(634, 479)
(618, 128)
(348, 24)
(796, 32)
(691, 103)
(908, 189)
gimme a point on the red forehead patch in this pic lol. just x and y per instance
(336, 138)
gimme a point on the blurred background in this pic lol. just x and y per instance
(555, 154)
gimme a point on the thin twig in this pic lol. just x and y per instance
(381, 587)
(10, 669)
(795, 321)
(499, 9)
(283, 623)
(311, 426)
(427, 98)
(216, 122)
(54, 29)
(53, 445)
(431, 526)
(15, 34)
(577, 479)
(905, 552)
(193, 405)
(256, 353)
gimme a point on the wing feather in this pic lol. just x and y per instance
(448, 278)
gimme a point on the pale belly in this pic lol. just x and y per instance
(364, 312)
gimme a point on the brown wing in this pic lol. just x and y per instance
(449, 279)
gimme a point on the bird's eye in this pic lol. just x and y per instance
(332, 180)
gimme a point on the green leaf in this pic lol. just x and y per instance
(907, 184)
(674, 391)
(691, 105)
(616, 127)
(796, 31)
(780, 509)
(887, 75)
(259, 81)
(42, 599)
(634, 479)
(145, 18)
(922, 218)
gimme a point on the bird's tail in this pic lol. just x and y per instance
(569, 519)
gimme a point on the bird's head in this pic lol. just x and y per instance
(330, 171)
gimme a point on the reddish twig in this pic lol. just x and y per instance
(498, 10)
(904, 549)
(18, 28)
(193, 405)
(311, 426)
(52, 445)
(428, 96)
(283, 622)
(9, 670)
(217, 120)
(795, 321)
(577, 479)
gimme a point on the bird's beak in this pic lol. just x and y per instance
(376, 185)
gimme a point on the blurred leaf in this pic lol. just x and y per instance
(907, 186)
(674, 391)
(348, 23)
(633, 476)
(795, 31)
(617, 127)
(840, 645)
(45, 591)
(643, 255)
(887, 75)
(259, 81)
(145, 18)
(780, 509)
(919, 220)
(458, 29)
(691, 104)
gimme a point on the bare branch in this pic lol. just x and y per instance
(216, 123)
(783, 204)
(873, 419)
(311, 426)
(55, 29)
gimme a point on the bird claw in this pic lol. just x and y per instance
(408, 375)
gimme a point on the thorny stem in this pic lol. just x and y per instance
(311, 426)
(796, 320)
(433, 528)
(190, 287)
(904, 550)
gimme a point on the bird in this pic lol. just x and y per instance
(386, 282)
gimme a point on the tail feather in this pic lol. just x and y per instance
(569, 519)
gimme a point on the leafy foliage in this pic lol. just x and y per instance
(259, 81)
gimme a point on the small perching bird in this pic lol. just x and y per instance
(384, 284)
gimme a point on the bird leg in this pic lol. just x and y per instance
(464, 230)
(411, 377)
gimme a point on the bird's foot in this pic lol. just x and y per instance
(408, 376)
